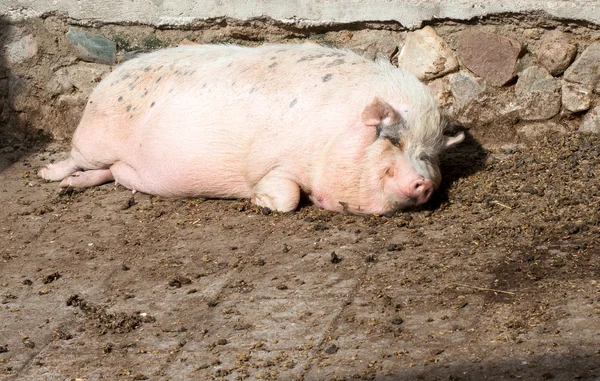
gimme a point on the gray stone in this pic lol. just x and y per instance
(586, 69)
(530, 133)
(474, 106)
(465, 88)
(576, 97)
(426, 55)
(538, 94)
(556, 56)
(495, 110)
(591, 121)
(92, 47)
(490, 56)
(526, 61)
(20, 50)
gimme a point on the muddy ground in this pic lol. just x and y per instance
(497, 278)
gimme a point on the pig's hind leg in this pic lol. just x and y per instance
(87, 179)
(276, 193)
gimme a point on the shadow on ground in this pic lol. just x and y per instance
(584, 366)
(460, 161)
(16, 137)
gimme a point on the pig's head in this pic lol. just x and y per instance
(402, 166)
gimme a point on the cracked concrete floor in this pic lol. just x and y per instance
(498, 278)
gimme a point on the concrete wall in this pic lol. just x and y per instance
(409, 13)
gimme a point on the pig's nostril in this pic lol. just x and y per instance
(419, 187)
(421, 190)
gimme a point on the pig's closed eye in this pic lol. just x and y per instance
(424, 157)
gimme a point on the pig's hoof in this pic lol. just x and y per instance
(58, 171)
(276, 193)
(50, 173)
(67, 182)
(43, 173)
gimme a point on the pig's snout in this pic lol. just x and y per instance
(421, 190)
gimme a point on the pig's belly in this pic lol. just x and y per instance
(177, 177)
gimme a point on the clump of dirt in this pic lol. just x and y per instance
(118, 322)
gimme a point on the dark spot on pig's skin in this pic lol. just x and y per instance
(145, 93)
(327, 77)
(152, 104)
(336, 54)
(336, 62)
(310, 58)
(126, 76)
(128, 108)
(273, 65)
(293, 103)
(252, 90)
(119, 99)
(147, 68)
(274, 57)
(131, 86)
(158, 79)
(233, 84)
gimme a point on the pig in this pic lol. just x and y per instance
(269, 123)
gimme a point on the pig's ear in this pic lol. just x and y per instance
(450, 141)
(379, 113)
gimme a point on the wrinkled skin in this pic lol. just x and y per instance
(266, 123)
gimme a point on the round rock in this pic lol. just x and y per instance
(591, 122)
(576, 97)
(426, 55)
(586, 69)
(556, 56)
(538, 94)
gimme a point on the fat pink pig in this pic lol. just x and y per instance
(267, 123)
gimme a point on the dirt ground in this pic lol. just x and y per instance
(497, 278)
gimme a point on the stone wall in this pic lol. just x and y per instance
(507, 78)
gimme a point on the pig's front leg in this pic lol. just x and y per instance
(58, 171)
(276, 193)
